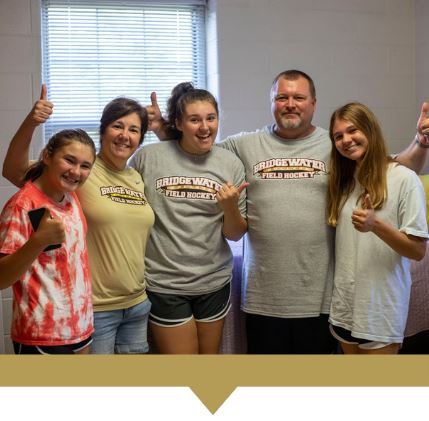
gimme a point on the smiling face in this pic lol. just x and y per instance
(293, 107)
(349, 141)
(120, 140)
(66, 169)
(199, 125)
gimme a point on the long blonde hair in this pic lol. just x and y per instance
(371, 174)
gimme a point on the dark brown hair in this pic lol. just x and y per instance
(182, 95)
(120, 107)
(55, 143)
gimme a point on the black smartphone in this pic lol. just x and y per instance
(35, 216)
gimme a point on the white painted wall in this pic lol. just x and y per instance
(422, 56)
(354, 49)
(374, 51)
(20, 71)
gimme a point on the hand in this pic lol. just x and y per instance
(154, 114)
(364, 219)
(227, 196)
(42, 109)
(423, 124)
(50, 230)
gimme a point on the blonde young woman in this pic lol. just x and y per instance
(377, 207)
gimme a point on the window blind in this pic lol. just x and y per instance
(94, 51)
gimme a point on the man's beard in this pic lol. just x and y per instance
(288, 123)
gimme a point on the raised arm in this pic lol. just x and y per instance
(17, 156)
(234, 225)
(365, 220)
(414, 156)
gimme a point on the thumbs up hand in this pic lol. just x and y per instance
(42, 109)
(227, 197)
(154, 113)
(50, 230)
(364, 219)
(423, 124)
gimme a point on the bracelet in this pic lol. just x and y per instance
(422, 145)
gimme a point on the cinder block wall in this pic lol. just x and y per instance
(422, 55)
(20, 70)
(355, 50)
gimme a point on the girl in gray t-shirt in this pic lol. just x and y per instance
(197, 193)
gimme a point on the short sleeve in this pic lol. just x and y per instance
(138, 160)
(229, 144)
(412, 209)
(15, 229)
(240, 178)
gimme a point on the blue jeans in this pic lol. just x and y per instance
(121, 331)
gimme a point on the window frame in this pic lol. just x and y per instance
(67, 98)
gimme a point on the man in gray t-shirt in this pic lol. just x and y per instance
(288, 254)
(289, 249)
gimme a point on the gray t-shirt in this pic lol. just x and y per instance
(372, 281)
(288, 254)
(187, 252)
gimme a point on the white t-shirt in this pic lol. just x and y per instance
(372, 282)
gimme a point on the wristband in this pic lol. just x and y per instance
(422, 145)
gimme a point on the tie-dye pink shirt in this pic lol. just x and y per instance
(52, 301)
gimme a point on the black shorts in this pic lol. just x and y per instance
(277, 335)
(345, 336)
(169, 310)
(50, 350)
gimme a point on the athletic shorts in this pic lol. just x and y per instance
(345, 336)
(170, 310)
(50, 350)
(278, 335)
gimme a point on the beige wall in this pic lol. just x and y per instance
(19, 83)
(374, 51)
(422, 55)
(355, 50)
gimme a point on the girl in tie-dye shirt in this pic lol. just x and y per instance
(52, 308)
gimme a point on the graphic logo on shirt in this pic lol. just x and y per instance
(180, 187)
(288, 168)
(121, 194)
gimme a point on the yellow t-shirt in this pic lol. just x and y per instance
(119, 221)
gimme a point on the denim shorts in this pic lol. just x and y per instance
(170, 310)
(121, 331)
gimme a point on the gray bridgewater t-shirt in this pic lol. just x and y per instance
(289, 248)
(187, 252)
